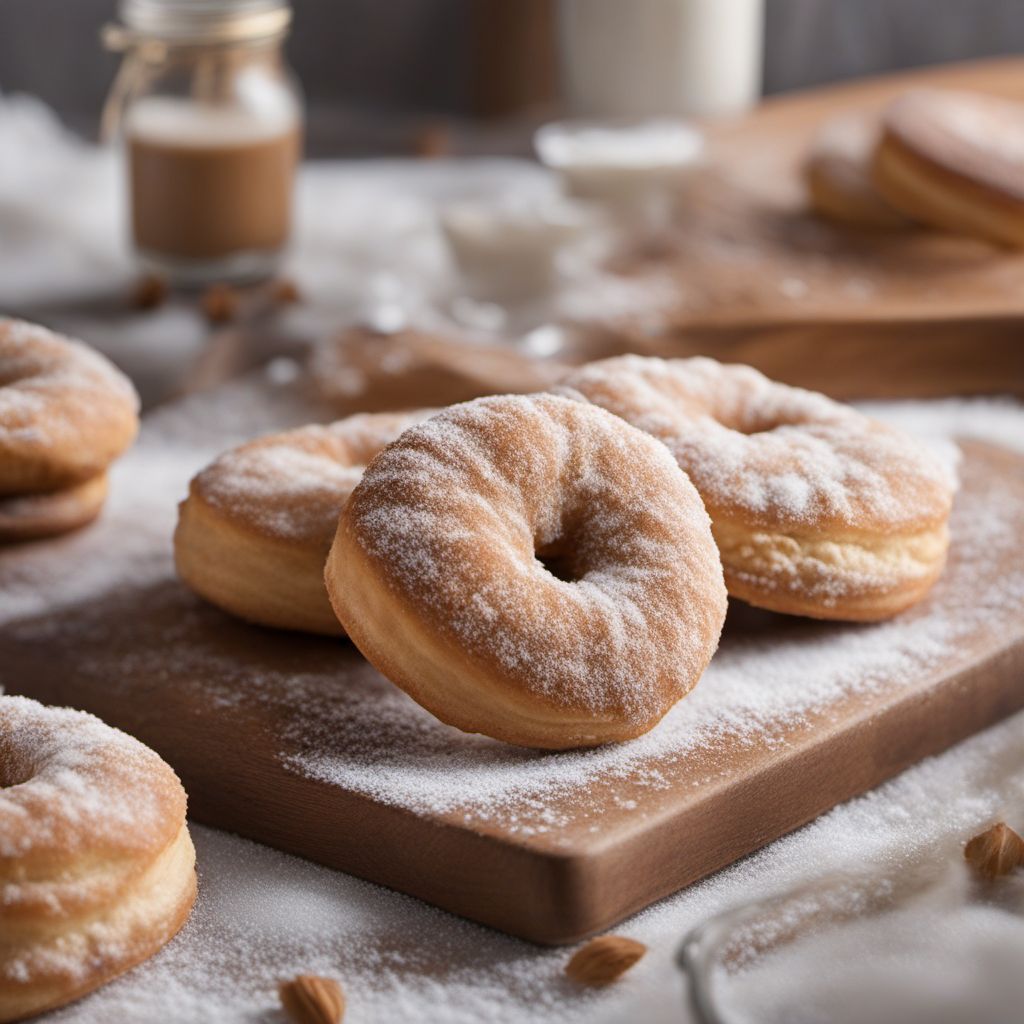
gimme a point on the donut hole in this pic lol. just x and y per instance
(559, 560)
(756, 421)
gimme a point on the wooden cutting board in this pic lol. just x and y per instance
(297, 742)
(747, 273)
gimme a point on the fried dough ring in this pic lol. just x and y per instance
(254, 532)
(65, 412)
(530, 568)
(97, 869)
(817, 510)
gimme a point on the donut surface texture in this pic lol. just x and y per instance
(97, 869)
(530, 568)
(955, 160)
(48, 513)
(838, 173)
(65, 412)
(817, 510)
(254, 532)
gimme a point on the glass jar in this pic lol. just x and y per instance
(210, 118)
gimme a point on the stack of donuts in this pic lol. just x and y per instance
(552, 569)
(65, 414)
(942, 158)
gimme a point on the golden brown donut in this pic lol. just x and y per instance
(817, 510)
(65, 412)
(838, 173)
(33, 516)
(254, 532)
(955, 160)
(97, 870)
(530, 568)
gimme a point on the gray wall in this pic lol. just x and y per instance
(413, 55)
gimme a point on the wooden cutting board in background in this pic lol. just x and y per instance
(762, 280)
(297, 742)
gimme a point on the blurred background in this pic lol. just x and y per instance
(374, 73)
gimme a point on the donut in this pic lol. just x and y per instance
(817, 510)
(33, 516)
(530, 568)
(65, 412)
(97, 869)
(254, 532)
(838, 173)
(955, 160)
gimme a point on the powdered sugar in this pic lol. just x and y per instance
(51, 385)
(69, 785)
(293, 485)
(773, 456)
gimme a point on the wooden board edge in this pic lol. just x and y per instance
(698, 840)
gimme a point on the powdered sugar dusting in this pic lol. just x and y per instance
(68, 782)
(52, 387)
(293, 485)
(774, 456)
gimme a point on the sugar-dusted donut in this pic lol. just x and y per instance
(837, 171)
(530, 568)
(817, 509)
(97, 870)
(46, 514)
(65, 412)
(254, 532)
(955, 160)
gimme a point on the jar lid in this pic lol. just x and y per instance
(188, 21)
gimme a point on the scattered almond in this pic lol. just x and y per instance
(150, 292)
(285, 291)
(995, 852)
(604, 959)
(309, 999)
(220, 303)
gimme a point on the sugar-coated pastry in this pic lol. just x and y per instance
(65, 411)
(955, 160)
(838, 173)
(97, 869)
(817, 509)
(48, 513)
(531, 568)
(254, 532)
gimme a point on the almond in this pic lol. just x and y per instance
(220, 303)
(995, 852)
(309, 999)
(285, 291)
(150, 292)
(604, 959)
